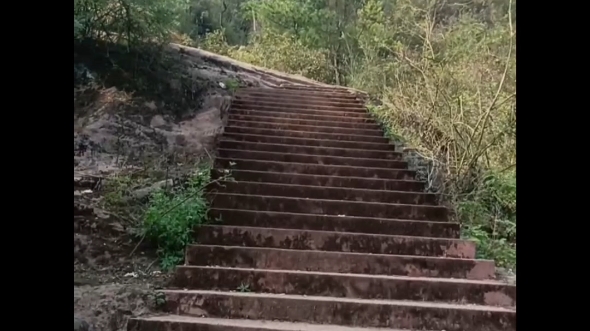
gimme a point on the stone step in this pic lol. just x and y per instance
(307, 93)
(227, 143)
(278, 103)
(359, 134)
(226, 235)
(313, 87)
(189, 323)
(326, 181)
(344, 116)
(269, 219)
(324, 193)
(300, 121)
(283, 140)
(265, 97)
(339, 262)
(310, 90)
(354, 286)
(314, 169)
(329, 207)
(283, 155)
(272, 132)
(304, 116)
(340, 311)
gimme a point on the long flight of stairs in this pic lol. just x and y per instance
(325, 228)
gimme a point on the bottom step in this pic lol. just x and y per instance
(413, 315)
(186, 323)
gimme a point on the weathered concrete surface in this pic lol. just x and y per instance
(268, 219)
(313, 169)
(340, 311)
(347, 285)
(311, 150)
(362, 134)
(324, 193)
(302, 121)
(372, 264)
(226, 235)
(327, 181)
(272, 131)
(188, 323)
(329, 207)
(326, 143)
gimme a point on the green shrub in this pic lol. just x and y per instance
(171, 218)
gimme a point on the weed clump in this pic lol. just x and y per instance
(172, 216)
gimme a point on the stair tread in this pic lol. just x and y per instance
(290, 133)
(325, 176)
(274, 114)
(236, 160)
(258, 324)
(335, 233)
(366, 276)
(432, 258)
(224, 137)
(359, 190)
(289, 120)
(405, 303)
(319, 147)
(359, 218)
(376, 132)
(327, 200)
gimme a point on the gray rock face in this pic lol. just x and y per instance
(81, 325)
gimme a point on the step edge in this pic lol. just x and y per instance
(315, 139)
(326, 133)
(298, 251)
(328, 187)
(307, 146)
(312, 155)
(335, 216)
(404, 303)
(315, 126)
(344, 201)
(315, 164)
(360, 234)
(297, 119)
(363, 178)
(352, 275)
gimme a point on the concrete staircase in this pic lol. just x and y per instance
(325, 229)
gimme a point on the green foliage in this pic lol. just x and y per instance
(448, 87)
(232, 85)
(244, 288)
(127, 21)
(215, 42)
(285, 53)
(207, 16)
(488, 215)
(171, 218)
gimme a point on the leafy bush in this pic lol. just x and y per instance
(129, 21)
(171, 218)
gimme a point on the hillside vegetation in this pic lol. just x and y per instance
(441, 73)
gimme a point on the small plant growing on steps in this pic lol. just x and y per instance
(232, 85)
(158, 298)
(244, 288)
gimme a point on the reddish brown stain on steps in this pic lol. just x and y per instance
(325, 229)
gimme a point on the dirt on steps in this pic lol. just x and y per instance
(286, 254)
